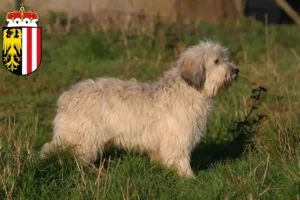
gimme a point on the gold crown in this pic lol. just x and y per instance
(22, 14)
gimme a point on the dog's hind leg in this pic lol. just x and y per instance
(80, 134)
(87, 151)
(88, 155)
(49, 148)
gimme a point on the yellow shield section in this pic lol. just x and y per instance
(12, 49)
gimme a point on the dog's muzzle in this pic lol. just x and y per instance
(236, 71)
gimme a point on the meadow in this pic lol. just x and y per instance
(252, 146)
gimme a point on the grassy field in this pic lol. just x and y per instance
(238, 159)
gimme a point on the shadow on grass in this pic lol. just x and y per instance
(206, 154)
(203, 156)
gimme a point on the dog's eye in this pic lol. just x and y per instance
(217, 61)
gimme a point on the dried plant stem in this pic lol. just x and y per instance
(289, 11)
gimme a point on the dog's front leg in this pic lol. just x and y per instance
(178, 160)
(183, 167)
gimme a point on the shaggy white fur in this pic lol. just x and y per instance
(165, 119)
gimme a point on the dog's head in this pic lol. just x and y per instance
(207, 67)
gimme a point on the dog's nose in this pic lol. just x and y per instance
(236, 71)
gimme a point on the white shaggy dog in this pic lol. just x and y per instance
(165, 119)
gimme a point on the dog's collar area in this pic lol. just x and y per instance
(191, 85)
(200, 89)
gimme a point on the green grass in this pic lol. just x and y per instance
(262, 165)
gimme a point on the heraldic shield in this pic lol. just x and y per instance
(22, 49)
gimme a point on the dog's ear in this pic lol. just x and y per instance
(192, 71)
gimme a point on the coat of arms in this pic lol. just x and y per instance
(22, 42)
